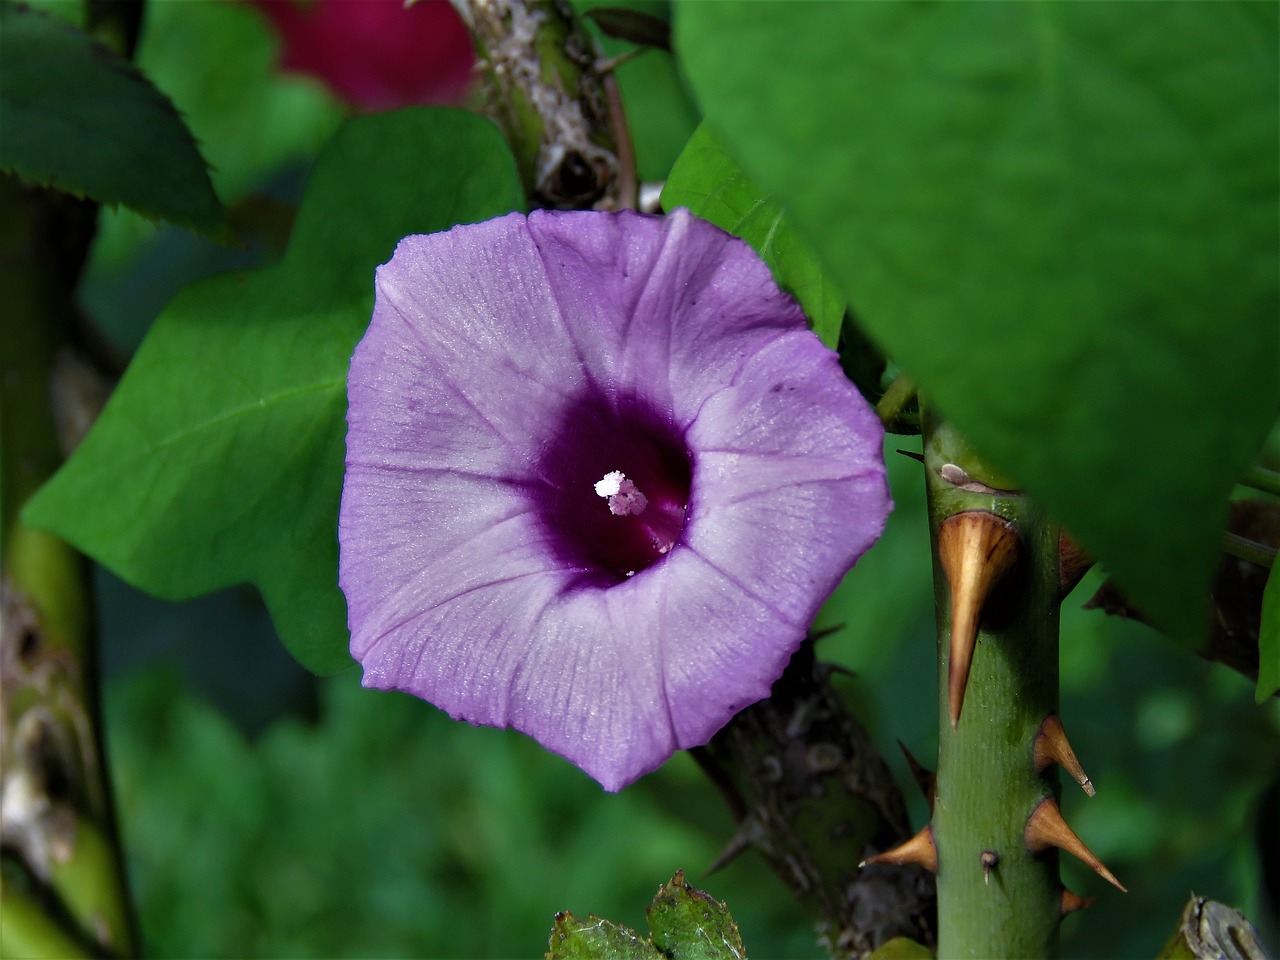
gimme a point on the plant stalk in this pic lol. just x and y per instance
(996, 898)
(813, 796)
(61, 854)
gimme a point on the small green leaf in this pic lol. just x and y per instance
(80, 118)
(708, 181)
(219, 458)
(1059, 219)
(688, 924)
(1269, 639)
(596, 939)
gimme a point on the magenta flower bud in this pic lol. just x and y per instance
(376, 54)
(600, 478)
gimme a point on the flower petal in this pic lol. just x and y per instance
(789, 460)
(667, 307)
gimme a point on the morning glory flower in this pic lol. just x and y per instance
(600, 477)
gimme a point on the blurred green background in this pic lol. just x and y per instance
(267, 813)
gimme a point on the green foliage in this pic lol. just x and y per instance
(385, 829)
(687, 924)
(80, 118)
(708, 181)
(219, 457)
(1060, 219)
(218, 63)
(1269, 639)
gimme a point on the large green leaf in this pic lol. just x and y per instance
(708, 181)
(78, 117)
(219, 458)
(1060, 218)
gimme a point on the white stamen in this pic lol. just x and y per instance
(611, 483)
(625, 498)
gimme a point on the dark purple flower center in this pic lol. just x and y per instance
(610, 526)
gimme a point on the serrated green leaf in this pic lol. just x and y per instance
(219, 458)
(688, 924)
(1269, 639)
(708, 181)
(596, 939)
(1059, 218)
(80, 118)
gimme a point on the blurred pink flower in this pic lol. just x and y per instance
(376, 54)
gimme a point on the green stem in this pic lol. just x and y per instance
(1243, 548)
(58, 819)
(987, 786)
(1260, 478)
(557, 105)
(901, 392)
(814, 798)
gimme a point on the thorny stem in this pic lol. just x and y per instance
(814, 798)
(556, 101)
(1006, 905)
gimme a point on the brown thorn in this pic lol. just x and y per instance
(738, 844)
(1070, 902)
(1046, 828)
(912, 455)
(1073, 563)
(976, 549)
(925, 778)
(1051, 747)
(919, 850)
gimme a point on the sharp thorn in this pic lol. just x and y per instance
(1046, 828)
(1071, 902)
(1051, 746)
(824, 632)
(925, 778)
(919, 850)
(738, 844)
(1073, 563)
(911, 455)
(976, 549)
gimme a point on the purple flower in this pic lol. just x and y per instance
(599, 480)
